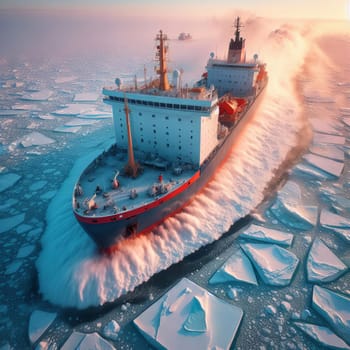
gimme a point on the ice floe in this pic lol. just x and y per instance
(111, 330)
(309, 170)
(189, 317)
(325, 126)
(336, 223)
(275, 265)
(334, 308)
(11, 222)
(42, 95)
(71, 129)
(39, 322)
(8, 180)
(74, 109)
(329, 151)
(82, 341)
(322, 264)
(237, 268)
(322, 335)
(267, 235)
(329, 166)
(328, 139)
(86, 97)
(290, 210)
(35, 139)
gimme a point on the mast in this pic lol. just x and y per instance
(236, 50)
(161, 56)
(131, 168)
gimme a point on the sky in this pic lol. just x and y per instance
(325, 9)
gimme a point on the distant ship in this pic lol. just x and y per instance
(184, 36)
(170, 141)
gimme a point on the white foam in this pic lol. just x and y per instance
(322, 264)
(322, 335)
(196, 322)
(334, 308)
(275, 265)
(268, 235)
(237, 268)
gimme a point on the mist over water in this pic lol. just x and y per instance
(91, 279)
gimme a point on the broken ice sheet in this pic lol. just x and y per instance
(267, 235)
(325, 126)
(329, 166)
(328, 139)
(11, 222)
(74, 109)
(334, 308)
(275, 265)
(86, 97)
(335, 223)
(8, 180)
(237, 268)
(328, 151)
(322, 264)
(307, 169)
(170, 332)
(35, 139)
(322, 335)
(289, 209)
(39, 322)
(42, 95)
(81, 341)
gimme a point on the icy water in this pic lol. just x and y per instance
(49, 264)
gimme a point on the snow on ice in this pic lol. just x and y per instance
(86, 97)
(35, 139)
(42, 95)
(75, 109)
(39, 322)
(336, 223)
(188, 317)
(322, 264)
(328, 139)
(323, 335)
(82, 341)
(327, 165)
(268, 235)
(237, 268)
(334, 308)
(290, 210)
(329, 151)
(275, 265)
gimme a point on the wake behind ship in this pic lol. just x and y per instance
(170, 140)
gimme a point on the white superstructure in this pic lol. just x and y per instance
(177, 128)
(233, 75)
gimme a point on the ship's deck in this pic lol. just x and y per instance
(99, 198)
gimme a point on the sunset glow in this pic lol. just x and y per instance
(321, 9)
